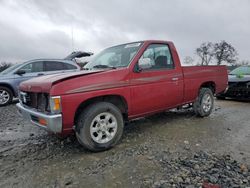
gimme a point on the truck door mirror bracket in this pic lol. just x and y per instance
(144, 63)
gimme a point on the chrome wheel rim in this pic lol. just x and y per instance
(4, 96)
(206, 102)
(103, 128)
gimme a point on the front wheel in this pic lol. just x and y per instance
(204, 103)
(99, 126)
(6, 96)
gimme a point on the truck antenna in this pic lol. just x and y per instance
(72, 38)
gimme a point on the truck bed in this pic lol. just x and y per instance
(194, 75)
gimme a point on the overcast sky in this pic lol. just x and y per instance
(43, 28)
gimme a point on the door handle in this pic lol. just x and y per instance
(40, 74)
(175, 79)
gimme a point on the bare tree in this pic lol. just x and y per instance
(205, 52)
(243, 62)
(188, 60)
(4, 65)
(225, 52)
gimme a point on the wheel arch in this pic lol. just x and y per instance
(9, 87)
(209, 84)
(118, 100)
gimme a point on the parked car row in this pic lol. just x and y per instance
(14, 75)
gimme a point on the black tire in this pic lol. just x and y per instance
(10, 94)
(85, 121)
(200, 108)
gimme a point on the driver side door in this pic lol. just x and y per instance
(157, 86)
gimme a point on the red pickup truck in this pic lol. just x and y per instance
(121, 83)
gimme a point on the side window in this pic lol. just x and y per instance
(157, 56)
(68, 66)
(54, 66)
(33, 67)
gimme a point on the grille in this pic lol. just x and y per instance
(238, 89)
(34, 118)
(25, 98)
(38, 101)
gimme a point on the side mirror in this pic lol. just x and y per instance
(144, 63)
(20, 72)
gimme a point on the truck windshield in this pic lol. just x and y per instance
(10, 69)
(241, 71)
(114, 57)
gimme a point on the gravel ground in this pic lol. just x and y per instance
(172, 149)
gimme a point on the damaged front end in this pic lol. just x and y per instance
(240, 90)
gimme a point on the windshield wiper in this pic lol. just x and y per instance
(103, 67)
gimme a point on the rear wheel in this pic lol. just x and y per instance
(6, 96)
(204, 103)
(99, 126)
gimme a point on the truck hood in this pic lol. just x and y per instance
(44, 83)
(237, 78)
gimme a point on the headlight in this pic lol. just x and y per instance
(55, 104)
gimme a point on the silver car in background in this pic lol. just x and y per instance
(14, 75)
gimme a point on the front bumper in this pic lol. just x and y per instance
(233, 91)
(53, 122)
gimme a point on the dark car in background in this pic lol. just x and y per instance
(238, 84)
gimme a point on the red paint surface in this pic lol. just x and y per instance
(145, 92)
